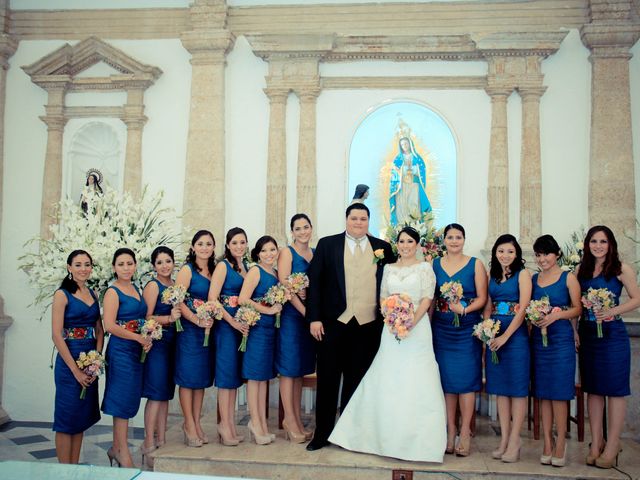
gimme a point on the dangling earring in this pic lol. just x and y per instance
(70, 277)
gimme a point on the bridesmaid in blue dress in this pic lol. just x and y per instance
(554, 366)
(76, 328)
(295, 351)
(509, 295)
(258, 361)
(124, 312)
(605, 362)
(194, 362)
(458, 353)
(158, 368)
(226, 283)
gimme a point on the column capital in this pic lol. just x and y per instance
(54, 122)
(134, 122)
(498, 91)
(277, 94)
(613, 29)
(531, 92)
(207, 47)
(308, 93)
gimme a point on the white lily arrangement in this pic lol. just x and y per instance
(112, 220)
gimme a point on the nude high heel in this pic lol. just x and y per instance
(292, 436)
(603, 462)
(233, 442)
(259, 439)
(145, 455)
(511, 458)
(464, 447)
(560, 461)
(113, 457)
(191, 442)
(591, 459)
(498, 453)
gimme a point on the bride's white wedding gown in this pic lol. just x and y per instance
(398, 410)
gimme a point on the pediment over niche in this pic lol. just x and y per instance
(91, 65)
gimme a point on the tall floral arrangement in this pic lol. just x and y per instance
(112, 220)
(431, 239)
(572, 251)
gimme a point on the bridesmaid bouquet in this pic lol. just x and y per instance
(536, 311)
(297, 282)
(150, 329)
(486, 331)
(398, 313)
(452, 292)
(596, 300)
(278, 294)
(207, 311)
(174, 295)
(248, 315)
(91, 364)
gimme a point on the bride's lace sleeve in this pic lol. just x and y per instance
(384, 288)
(427, 281)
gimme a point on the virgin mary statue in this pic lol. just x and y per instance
(407, 189)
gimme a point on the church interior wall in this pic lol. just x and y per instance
(564, 134)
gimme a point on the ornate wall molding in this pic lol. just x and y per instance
(405, 83)
(57, 74)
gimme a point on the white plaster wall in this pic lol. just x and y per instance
(28, 389)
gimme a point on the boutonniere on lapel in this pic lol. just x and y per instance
(378, 255)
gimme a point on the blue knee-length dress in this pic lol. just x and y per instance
(124, 371)
(258, 362)
(159, 365)
(554, 366)
(228, 358)
(509, 377)
(605, 363)
(295, 349)
(71, 414)
(195, 363)
(458, 353)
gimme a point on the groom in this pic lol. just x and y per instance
(344, 315)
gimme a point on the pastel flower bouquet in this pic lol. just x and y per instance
(596, 300)
(398, 313)
(248, 315)
(297, 282)
(91, 363)
(452, 292)
(150, 329)
(536, 311)
(486, 331)
(277, 294)
(207, 311)
(175, 295)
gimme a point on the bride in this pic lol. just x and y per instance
(398, 409)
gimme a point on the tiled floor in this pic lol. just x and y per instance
(35, 441)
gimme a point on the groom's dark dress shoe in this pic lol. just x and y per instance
(316, 445)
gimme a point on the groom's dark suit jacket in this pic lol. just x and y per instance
(326, 297)
(347, 350)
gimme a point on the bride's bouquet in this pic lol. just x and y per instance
(398, 313)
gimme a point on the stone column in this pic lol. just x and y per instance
(612, 197)
(52, 179)
(277, 164)
(134, 119)
(204, 183)
(498, 184)
(7, 48)
(530, 167)
(307, 179)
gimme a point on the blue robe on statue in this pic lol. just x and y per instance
(402, 203)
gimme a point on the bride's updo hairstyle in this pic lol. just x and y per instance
(412, 232)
